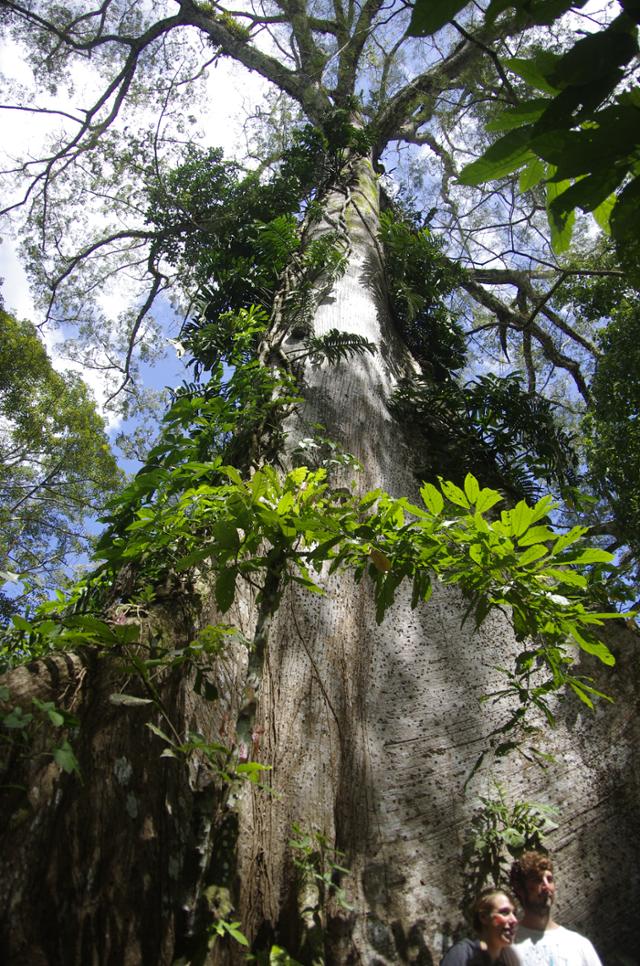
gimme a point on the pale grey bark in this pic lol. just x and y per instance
(373, 731)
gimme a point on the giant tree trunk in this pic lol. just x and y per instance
(370, 731)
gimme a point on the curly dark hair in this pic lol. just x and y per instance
(530, 865)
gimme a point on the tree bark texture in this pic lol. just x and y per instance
(371, 732)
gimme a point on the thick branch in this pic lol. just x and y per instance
(351, 51)
(512, 318)
(428, 85)
(304, 89)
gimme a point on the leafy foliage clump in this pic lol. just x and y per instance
(498, 833)
(56, 465)
(491, 425)
(613, 425)
(214, 218)
(419, 281)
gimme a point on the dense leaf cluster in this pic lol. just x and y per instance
(211, 215)
(499, 832)
(56, 465)
(491, 425)
(613, 425)
(235, 529)
(420, 279)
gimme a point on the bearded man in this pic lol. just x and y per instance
(540, 941)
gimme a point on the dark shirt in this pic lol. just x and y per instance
(468, 953)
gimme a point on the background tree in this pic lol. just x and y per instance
(56, 466)
(254, 613)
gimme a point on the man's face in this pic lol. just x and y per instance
(540, 892)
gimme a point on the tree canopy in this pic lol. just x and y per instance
(56, 466)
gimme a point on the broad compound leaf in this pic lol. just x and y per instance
(513, 117)
(432, 499)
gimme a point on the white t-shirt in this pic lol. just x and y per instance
(554, 947)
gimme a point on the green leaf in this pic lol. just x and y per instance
(91, 624)
(520, 518)
(588, 556)
(471, 488)
(430, 15)
(65, 758)
(432, 499)
(570, 577)
(157, 731)
(21, 624)
(226, 535)
(524, 113)
(595, 647)
(251, 770)
(17, 718)
(533, 553)
(593, 57)
(534, 70)
(194, 557)
(532, 174)
(560, 223)
(535, 535)
(226, 588)
(486, 499)
(602, 214)
(506, 155)
(233, 928)
(625, 215)
(513, 838)
(581, 693)
(537, 11)
(454, 494)
(568, 538)
(476, 552)
(590, 192)
(232, 473)
(55, 717)
(285, 503)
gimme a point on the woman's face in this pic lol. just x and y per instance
(499, 921)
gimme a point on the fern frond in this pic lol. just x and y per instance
(278, 240)
(335, 346)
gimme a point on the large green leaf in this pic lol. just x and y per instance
(560, 222)
(225, 588)
(574, 153)
(594, 57)
(534, 70)
(524, 113)
(506, 155)
(625, 217)
(430, 15)
(590, 192)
